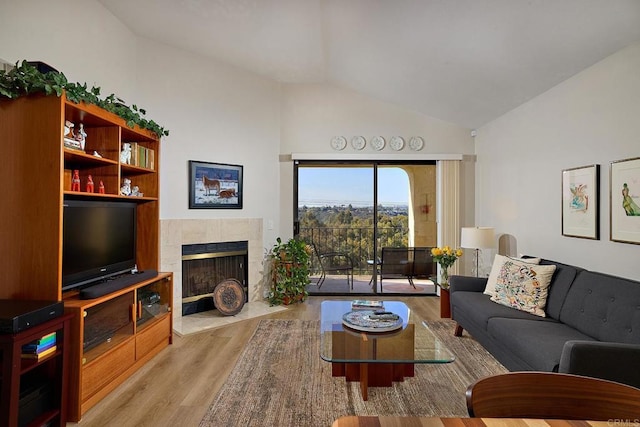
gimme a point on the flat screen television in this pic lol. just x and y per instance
(99, 241)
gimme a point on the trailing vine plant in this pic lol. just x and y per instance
(25, 79)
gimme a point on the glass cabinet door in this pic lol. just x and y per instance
(152, 302)
(106, 325)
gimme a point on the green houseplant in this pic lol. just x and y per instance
(25, 79)
(290, 271)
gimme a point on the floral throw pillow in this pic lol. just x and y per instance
(523, 286)
(498, 261)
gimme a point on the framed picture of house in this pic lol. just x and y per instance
(624, 208)
(581, 202)
(214, 185)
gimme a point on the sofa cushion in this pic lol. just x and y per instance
(498, 262)
(523, 286)
(539, 343)
(483, 309)
(560, 284)
(604, 307)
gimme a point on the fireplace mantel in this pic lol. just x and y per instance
(177, 232)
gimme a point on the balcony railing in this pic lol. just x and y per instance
(356, 242)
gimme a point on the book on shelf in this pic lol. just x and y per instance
(361, 304)
(142, 156)
(41, 355)
(40, 344)
(37, 348)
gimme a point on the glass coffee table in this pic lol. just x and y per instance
(377, 359)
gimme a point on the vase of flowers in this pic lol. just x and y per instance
(445, 256)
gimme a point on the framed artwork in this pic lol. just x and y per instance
(581, 202)
(624, 191)
(214, 185)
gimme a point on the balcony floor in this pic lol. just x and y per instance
(337, 285)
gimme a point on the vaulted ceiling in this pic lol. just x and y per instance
(462, 61)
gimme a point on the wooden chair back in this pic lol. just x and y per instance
(548, 395)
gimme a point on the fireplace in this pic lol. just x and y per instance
(204, 265)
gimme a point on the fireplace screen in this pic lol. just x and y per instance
(204, 266)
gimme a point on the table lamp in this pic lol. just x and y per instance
(476, 238)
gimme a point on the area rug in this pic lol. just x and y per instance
(280, 380)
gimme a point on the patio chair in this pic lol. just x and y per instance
(394, 264)
(423, 265)
(407, 263)
(550, 395)
(334, 263)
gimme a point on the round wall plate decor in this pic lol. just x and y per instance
(358, 142)
(397, 143)
(338, 142)
(416, 143)
(229, 297)
(377, 142)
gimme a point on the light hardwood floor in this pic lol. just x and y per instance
(178, 385)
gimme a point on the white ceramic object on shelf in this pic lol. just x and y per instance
(358, 142)
(377, 143)
(416, 143)
(396, 143)
(338, 142)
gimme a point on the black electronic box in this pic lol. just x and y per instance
(18, 315)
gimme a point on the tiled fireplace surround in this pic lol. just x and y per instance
(177, 232)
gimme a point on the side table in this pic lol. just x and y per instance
(19, 374)
(445, 302)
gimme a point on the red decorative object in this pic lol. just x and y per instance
(90, 184)
(75, 181)
(101, 187)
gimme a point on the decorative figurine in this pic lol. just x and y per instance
(75, 181)
(135, 191)
(81, 136)
(70, 139)
(125, 154)
(125, 190)
(101, 187)
(96, 154)
(89, 184)
(68, 130)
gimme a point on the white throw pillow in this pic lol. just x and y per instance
(498, 261)
(524, 286)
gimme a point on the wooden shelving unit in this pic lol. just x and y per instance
(17, 373)
(140, 330)
(36, 173)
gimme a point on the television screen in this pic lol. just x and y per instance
(99, 241)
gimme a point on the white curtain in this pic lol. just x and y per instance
(449, 206)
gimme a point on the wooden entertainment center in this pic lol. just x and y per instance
(37, 175)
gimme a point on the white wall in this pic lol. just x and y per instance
(215, 113)
(77, 37)
(592, 118)
(312, 114)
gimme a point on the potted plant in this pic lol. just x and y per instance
(445, 256)
(290, 271)
(28, 78)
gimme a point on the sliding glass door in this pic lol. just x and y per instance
(355, 209)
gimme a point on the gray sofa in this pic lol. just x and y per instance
(592, 326)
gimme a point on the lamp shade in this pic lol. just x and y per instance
(477, 237)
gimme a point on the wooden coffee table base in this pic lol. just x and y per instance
(373, 374)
